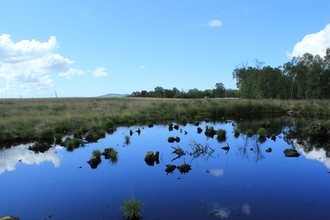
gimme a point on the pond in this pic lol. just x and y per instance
(244, 182)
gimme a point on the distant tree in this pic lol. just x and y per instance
(219, 90)
(144, 93)
(159, 92)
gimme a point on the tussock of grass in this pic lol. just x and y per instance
(262, 132)
(97, 153)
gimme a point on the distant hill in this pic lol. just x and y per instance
(113, 95)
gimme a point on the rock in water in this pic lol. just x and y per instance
(291, 153)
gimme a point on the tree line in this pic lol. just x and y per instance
(303, 77)
(159, 92)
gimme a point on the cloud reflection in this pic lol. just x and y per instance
(246, 209)
(10, 157)
(217, 172)
(224, 212)
(315, 154)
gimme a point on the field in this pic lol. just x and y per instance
(23, 120)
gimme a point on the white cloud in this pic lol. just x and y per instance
(99, 72)
(71, 72)
(214, 23)
(315, 43)
(29, 62)
(142, 67)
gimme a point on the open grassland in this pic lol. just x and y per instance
(38, 119)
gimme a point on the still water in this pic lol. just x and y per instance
(243, 183)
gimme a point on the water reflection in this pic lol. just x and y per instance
(313, 153)
(20, 154)
(267, 185)
(226, 212)
(250, 144)
(217, 172)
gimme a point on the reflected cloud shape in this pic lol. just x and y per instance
(217, 172)
(224, 212)
(315, 154)
(20, 154)
(246, 209)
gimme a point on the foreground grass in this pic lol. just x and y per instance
(38, 119)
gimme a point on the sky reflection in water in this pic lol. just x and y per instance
(245, 182)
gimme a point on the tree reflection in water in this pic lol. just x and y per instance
(252, 144)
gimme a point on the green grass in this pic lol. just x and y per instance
(38, 119)
(97, 153)
(221, 135)
(132, 208)
(237, 132)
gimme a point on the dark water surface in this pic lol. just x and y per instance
(244, 183)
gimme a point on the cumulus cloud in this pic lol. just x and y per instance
(29, 62)
(214, 23)
(315, 43)
(99, 72)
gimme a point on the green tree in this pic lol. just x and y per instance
(219, 90)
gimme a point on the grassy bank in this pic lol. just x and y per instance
(45, 119)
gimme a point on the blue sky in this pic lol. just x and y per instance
(83, 48)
